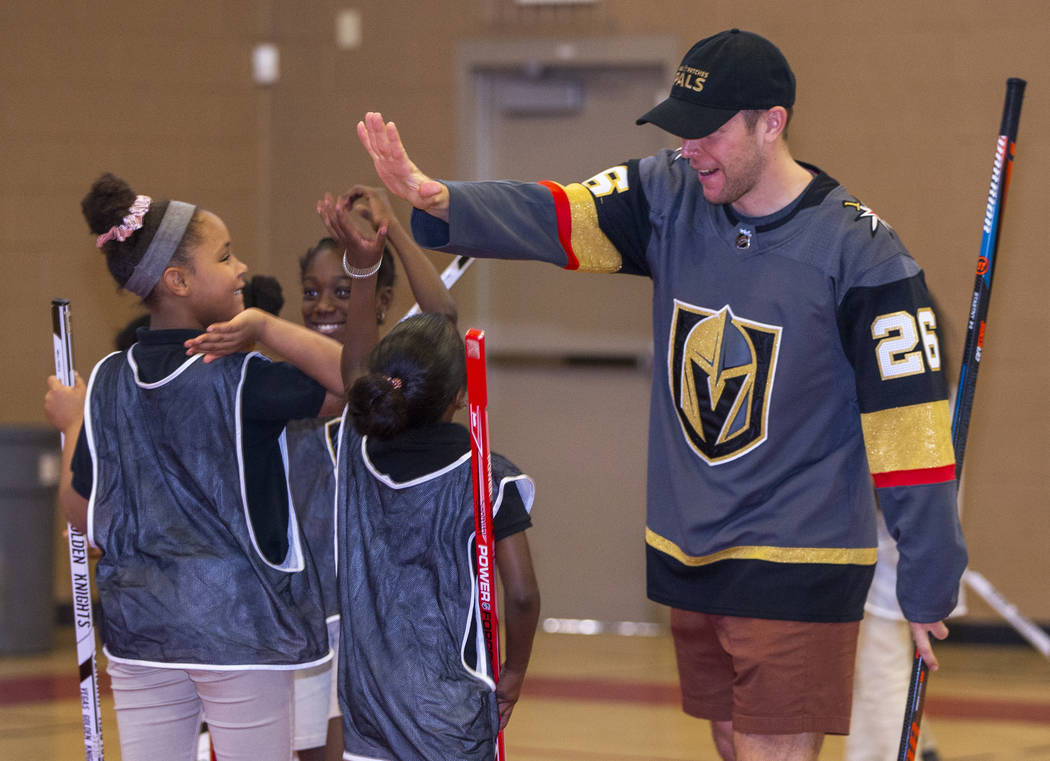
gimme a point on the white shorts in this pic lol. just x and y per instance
(316, 692)
(249, 712)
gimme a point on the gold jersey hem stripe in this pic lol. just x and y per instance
(828, 555)
(915, 437)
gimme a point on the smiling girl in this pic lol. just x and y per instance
(210, 598)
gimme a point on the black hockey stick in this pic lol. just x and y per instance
(80, 574)
(982, 289)
(971, 360)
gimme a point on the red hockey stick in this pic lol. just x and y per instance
(484, 544)
(80, 573)
(982, 293)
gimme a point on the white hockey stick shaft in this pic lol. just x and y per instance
(1024, 625)
(80, 573)
(449, 276)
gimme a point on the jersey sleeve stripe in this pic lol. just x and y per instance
(914, 438)
(596, 251)
(914, 477)
(586, 246)
(564, 216)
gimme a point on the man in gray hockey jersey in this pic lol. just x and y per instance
(797, 363)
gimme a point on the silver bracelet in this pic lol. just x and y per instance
(361, 274)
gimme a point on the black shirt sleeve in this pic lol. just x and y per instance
(512, 516)
(83, 475)
(273, 394)
(278, 391)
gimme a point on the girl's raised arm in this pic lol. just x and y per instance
(361, 259)
(423, 278)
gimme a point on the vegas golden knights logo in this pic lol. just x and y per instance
(721, 371)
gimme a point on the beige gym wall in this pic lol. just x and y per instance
(900, 101)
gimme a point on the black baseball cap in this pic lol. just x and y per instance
(728, 72)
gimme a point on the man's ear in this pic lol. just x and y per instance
(775, 121)
(174, 279)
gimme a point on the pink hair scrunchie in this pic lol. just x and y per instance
(130, 223)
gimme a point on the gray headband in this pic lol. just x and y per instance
(167, 238)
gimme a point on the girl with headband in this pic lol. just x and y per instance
(210, 598)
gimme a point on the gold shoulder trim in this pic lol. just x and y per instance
(593, 250)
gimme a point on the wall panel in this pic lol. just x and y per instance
(899, 102)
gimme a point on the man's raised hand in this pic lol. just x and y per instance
(396, 170)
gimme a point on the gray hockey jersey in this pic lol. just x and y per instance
(797, 370)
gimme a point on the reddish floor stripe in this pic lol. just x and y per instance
(669, 694)
(35, 689)
(983, 708)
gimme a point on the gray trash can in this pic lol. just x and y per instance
(30, 458)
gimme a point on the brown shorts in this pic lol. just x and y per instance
(767, 677)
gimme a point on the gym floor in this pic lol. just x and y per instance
(600, 698)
